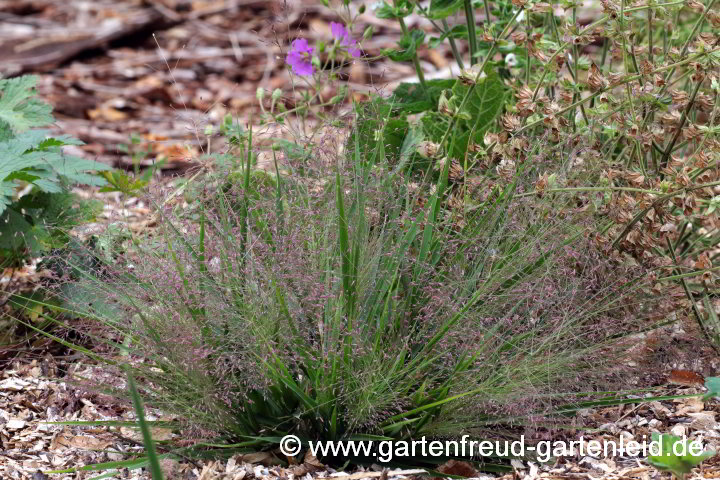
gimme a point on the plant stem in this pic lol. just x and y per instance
(472, 39)
(453, 46)
(683, 119)
(416, 61)
(549, 62)
(624, 81)
(471, 89)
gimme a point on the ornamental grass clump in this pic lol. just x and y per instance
(356, 304)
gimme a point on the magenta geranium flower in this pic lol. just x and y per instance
(300, 57)
(341, 33)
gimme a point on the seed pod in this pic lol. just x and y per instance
(427, 149)
(596, 80)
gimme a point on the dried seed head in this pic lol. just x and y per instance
(457, 172)
(519, 37)
(646, 68)
(696, 6)
(472, 75)
(704, 102)
(511, 122)
(525, 105)
(541, 184)
(427, 149)
(615, 78)
(714, 19)
(596, 80)
(679, 97)
(691, 132)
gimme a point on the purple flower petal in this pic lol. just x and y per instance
(300, 57)
(338, 30)
(301, 65)
(301, 46)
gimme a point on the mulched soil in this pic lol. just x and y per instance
(35, 392)
(164, 69)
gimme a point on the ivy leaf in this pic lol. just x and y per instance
(408, 46)
(440, 9)
(679, 465)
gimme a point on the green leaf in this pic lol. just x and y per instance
(32, 157)
(7, 190)
(402, 9)
(19, 110)
(408, 46)
(674, 456)
(152, 456)
(410, 98)
(482, 108)
(375, 124)
(713, 386)
(440, 9)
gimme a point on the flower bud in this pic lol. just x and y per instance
(260, 93)
(444, 105)
(361, 9)
(276, 94)
(368, 33)
(470, 76)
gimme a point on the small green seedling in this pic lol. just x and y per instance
(676, 455)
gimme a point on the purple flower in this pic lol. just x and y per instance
(341, 33)
(300, 57)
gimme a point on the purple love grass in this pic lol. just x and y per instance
(300, 57)
(341, 33)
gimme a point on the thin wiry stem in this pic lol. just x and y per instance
(453, 46)
(666, 156)
(472, 38)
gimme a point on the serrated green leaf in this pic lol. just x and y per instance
(7, 190)
(401, 9)
(440, 9)
(19, 110)
(37, 221)
(410, 98)
(482, 108)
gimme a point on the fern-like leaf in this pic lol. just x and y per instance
(19, 109)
